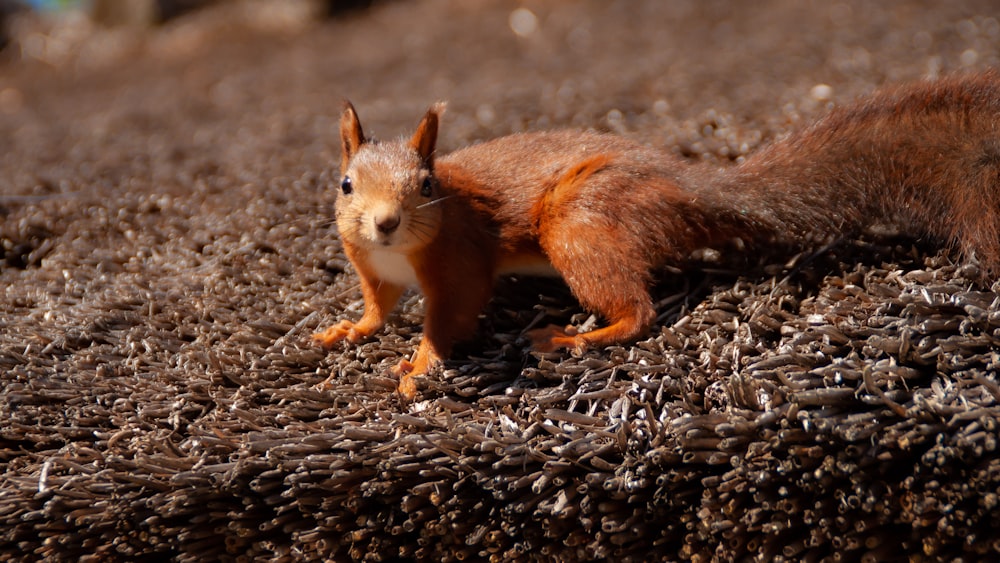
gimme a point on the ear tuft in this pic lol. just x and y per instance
(351, 134)
(425, 138)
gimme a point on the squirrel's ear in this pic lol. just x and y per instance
(425, 138)
(351, 134)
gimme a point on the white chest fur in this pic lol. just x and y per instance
(392, 267)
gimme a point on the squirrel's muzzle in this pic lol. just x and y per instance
(387, 223)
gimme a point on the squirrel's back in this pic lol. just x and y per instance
(523, 165)
(520, 180)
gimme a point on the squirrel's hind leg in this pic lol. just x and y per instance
(608, 278)
(627, 326)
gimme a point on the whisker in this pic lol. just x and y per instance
(314, 222)
(434, 201)
(423, 230)
(417, 220)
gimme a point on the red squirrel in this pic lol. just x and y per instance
(604, 212)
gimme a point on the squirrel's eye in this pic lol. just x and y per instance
(426, 189)
(346, 186)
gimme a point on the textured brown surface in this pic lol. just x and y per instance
(167, 249)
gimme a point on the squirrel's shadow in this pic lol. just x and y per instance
(500, 352)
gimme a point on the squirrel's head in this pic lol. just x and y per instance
(388, 194)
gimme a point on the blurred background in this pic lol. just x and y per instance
(709, 79)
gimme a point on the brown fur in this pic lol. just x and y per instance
(606, 212)
(925, 156)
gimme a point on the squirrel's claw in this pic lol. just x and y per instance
(344, 330)
(552, 338)
(403, 368)
(406, 371)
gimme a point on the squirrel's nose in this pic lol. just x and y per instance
(386, 224)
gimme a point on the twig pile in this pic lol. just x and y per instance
(773, 420)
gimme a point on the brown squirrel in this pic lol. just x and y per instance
(605, 212)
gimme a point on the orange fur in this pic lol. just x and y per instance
(605, 213)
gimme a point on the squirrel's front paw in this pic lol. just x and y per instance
(406, 371)
(402, 369)
(344, 330)
(552, 338)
